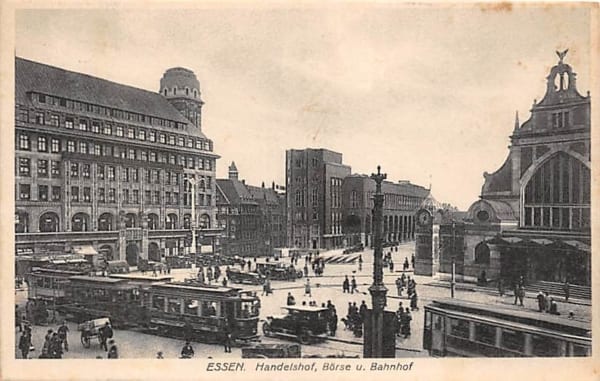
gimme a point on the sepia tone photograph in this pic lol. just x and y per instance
(293, 188)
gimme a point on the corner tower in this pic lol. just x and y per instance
(182, 89)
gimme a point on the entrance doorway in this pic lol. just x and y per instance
(131, 254)
(153, 252)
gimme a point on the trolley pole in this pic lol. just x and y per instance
(453, 279)
(378, 290)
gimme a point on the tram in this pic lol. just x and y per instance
(150, 304)
(206, 311)
(457, 328)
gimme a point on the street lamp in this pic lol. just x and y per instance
(192, 182)
(377, 289)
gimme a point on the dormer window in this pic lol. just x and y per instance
(165, 92)
(187, 91)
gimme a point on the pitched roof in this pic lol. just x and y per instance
(260, 193)
(50, 80)
(235, 191)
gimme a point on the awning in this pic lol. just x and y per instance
(579, 245)
(84, 250)
(541, 241)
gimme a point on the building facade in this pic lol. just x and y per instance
(534, 214)
(104, 165)
(401, 201)
(252, 218)
(314, 198)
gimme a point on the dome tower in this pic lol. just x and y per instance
(182, 89)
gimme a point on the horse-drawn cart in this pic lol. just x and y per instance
(91, 329)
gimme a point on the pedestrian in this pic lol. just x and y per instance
(290, 299)
(62, 335)
(546, 302)
(405, 265)
(227, 338)
(391, 266)
(187, 352)
(346, 285)
(500, 287)
(412, 261)
(243, 264)
(57, 348)
(18, 321)
(305, 270)
(154, 271)
(541, 299)
(113, 352)
(362, 311)
(353, 284)
(399, 318)
(159, 355)
(521, 295)
(413, 301)
(24, 344)
(567, 291)
(307, 288)
(46, 347)
(106, 333)
(333, 323)
(553, 307)
(516, 292)
(224, 282)
(406, 319)
(399, 286)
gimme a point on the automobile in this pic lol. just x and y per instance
(354, 249)
(238, 276)
(276, 270)
(306, 324)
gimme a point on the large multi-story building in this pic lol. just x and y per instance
(401, 201)
(533, 217)
(103, 165)
(253, 218)
(314, 180)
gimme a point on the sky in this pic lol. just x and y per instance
(428, 93)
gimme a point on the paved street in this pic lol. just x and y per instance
(328, 287)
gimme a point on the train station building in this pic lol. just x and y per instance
(104, 167)
(533, 217)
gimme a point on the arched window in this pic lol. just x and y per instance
(21, 222)
(482, 254)
(105, 222)
(152, 221)
(80, 222)
(171, 221)
(49, 222)
(558, 195)
(205, 221)
(187, 221)
(130, 220)
(165, 91)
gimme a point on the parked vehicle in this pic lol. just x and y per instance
(276, 270)
(303, 323)
(91, 329)
(237, 276)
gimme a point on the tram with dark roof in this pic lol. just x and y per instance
(457, 328)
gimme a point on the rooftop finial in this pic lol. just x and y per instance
(517, 125)
(561, 55)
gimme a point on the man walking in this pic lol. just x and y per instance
(62, 335)
(567, 291)
(353, 285)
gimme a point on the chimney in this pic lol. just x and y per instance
(263, 185)
(243, 181)
(273, 185)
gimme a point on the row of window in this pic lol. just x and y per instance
(45, 168)
(96, 149)
(84, 194)
(129, 132)
(105, 111)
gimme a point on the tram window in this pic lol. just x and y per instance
(544, 346)
(39, 282)
(580, 351)
(158, 302)
(459, 328)
(208, 309)
(46, 282)
(485, 333)
(191, 307)
(174, 305)
(513, 340)
(437, 322)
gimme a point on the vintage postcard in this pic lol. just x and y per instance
(299, 190)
